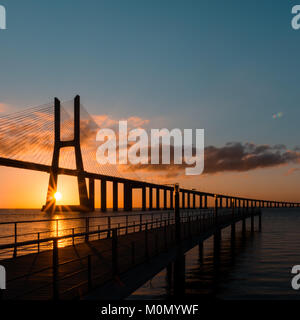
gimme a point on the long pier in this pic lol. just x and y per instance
(113, 262)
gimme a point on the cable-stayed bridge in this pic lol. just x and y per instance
(59, 138)
(102, 256)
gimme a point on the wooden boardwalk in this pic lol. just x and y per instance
(82, 268)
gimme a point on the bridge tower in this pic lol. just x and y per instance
(50, 205)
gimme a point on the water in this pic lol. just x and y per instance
(63, 224)
(260, 268)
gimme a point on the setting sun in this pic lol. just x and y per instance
(57, 196)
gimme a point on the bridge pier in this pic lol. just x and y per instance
(243, 226)
(259, 222)
(127, 197)
(115, 196)
(252, 220)
(103, 195)
(171, 200)
(165, 199)
(144, 198)
(217, 246)
(157, 199)
(150, 198)
(92, 194)
(233, 223)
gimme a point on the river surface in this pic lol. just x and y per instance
(260, 267)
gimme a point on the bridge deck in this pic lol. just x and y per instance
(92, 264)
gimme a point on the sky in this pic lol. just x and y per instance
(225, 66)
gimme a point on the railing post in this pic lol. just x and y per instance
(73, 240)
(150, 198)
(108, 227)
(144, 199)
(115, 267)
(55, 270)
(16, 240)
(87, 227)
(233, 221)
(177, 215)
(166, 236)
(252, 218)
(216, 209)
(38, 238)
(171, 199)
(259, 221)
(146, 242)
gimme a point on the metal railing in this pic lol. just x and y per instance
(128, 245)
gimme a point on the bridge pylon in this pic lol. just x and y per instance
(50, 205)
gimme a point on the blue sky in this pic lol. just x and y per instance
(225, 66)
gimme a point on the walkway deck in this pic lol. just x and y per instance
(86, 266)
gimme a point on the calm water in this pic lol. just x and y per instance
(62, 224)
(260, 269)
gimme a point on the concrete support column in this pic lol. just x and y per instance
(144, 206)
(150, 198)
(165, 199)
(115, 196)
(171, 200)
(92, 194)
(233, 222)
(194, 201)
(103, 195)
(157, 199)
(205, 202)
(217, 246)
(127, 197)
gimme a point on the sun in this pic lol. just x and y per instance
(57, 196)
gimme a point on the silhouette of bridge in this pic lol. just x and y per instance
(99, 258)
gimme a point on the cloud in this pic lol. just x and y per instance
(233, 157)
(3, 107)
(291, 171)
